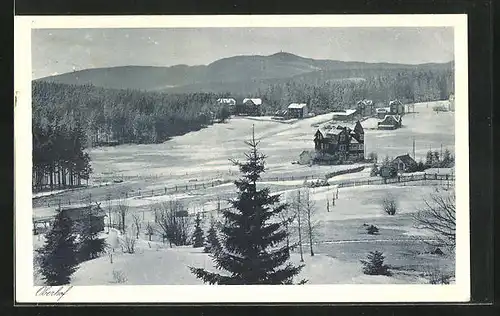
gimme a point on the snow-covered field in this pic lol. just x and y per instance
(341, 241)
(204, 156)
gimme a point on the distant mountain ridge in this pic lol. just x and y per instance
(238, 73)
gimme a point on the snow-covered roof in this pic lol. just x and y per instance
(226, 100)
(333, 131)
(297, 105)
(365, 102)
(345, 113)
(382, 110)
(354, 140)
(256, 101)
(390, 119)
(407, 159)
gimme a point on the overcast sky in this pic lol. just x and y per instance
(63, 50)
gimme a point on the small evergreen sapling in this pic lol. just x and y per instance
(374, 265)
(372, 230)
(211, 242)
(198, 238)
(58, 257)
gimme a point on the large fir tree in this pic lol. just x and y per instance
(58, 256)
(198, 233)
(252, 249)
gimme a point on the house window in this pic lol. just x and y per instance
(342, 137)
(342, 147)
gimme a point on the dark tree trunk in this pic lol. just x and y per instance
(51, 176)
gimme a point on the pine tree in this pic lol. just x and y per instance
(58, 257)
(198, 238)
(211, 242)
(429, 158)
(251, 249)
(90, 246)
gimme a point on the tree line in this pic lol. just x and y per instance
(124, 116)
(59, 159)
(407, 85)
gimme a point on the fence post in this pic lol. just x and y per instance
(165, 190)
(152, 192)
(126, 195)
(175, 188)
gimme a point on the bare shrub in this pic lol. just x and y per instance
(119, 277)
(149, 230)
(309, 208)
(173, 223)
(438, 277)
(127, 243)
(136, 221)
(389, 204)
(438, 216)
(122, 210)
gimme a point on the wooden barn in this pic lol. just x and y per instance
(249, 106)
(404, 163)
(297, 110)
(93, 213)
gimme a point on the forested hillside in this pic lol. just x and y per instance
(237, 74)
(133, 116)
(323, 93)
(125, 116)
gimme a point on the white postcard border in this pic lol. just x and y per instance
(25, 291)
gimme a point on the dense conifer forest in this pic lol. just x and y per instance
(69, 118)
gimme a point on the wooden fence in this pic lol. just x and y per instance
(442, 178)
(85, 199)
(445, 179)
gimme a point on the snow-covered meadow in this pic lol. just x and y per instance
(341, 240)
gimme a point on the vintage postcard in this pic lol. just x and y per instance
(193, 159)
